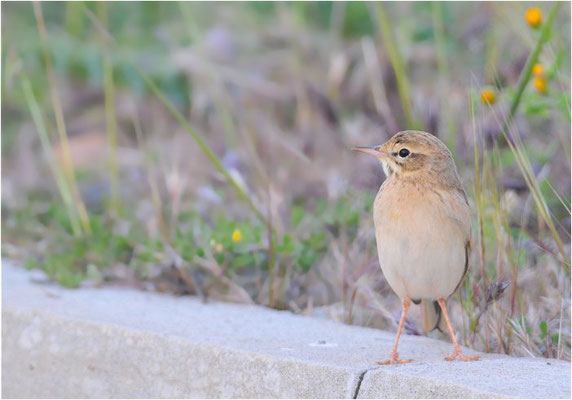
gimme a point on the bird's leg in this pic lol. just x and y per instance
(456, 348)
(394, 358)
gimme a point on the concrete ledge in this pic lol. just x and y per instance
(114, 343)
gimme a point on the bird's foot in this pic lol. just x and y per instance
(394, 359)
(457, 353)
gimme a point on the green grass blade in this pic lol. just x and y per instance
(397, 63)
(68, 167)
(110, 117)
(201, 143)
(185, 124)
(61, 182)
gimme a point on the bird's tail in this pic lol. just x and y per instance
(432, 316)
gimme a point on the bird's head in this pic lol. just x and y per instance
(412, 152)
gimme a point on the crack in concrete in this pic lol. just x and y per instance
(360, 379)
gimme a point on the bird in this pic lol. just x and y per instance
(422, 229)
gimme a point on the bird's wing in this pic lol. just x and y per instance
(459, 211)
(467, 255)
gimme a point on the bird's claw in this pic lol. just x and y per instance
(458, 354)
(393, 360)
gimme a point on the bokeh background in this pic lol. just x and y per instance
(204, 149)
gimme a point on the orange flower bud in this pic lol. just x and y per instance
(533, 17)
(488, 96)
(538, 70)
(540, 84)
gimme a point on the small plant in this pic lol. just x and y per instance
(234, 245)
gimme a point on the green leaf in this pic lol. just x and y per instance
(31, 264)
(243, 260)
(320, 206)
(357, 20)
(288, 246)
(296, 215)
(543, 330)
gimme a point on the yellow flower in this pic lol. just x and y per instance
(538, 70)
(540, 84)
(533, 17)
(488, 96)
(236, 236)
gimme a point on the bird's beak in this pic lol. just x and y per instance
(373, 150)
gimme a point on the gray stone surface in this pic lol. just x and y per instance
(125, 343)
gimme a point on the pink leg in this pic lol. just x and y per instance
(456, 348)
(394, 358)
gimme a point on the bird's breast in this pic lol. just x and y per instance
(420, 238)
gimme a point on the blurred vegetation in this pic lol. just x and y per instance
(203, 149)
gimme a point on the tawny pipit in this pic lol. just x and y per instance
(422, 228)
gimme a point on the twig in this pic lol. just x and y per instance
(184, 275)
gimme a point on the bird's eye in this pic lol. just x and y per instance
(403, 153)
